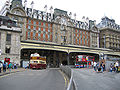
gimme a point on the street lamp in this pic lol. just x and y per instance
(68, 57)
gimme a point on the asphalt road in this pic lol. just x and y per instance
(49, 79)
(86, 79)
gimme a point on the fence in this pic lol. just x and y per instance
(67, 70)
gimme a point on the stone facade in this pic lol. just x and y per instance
(56, 27)
(9, 40)
(109, 34)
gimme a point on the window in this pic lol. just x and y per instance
(28, 34)
(8, 38)
(39, 29)
(44, 24)
(34, 33)
(7, 50)
(34, 28)
(48, 25)
(44, 36)
(49, 30)
(34, 22)
(39, 35)
(28, 26)
(48, 36)
(29, 21)
(39, 23)
(43, 29)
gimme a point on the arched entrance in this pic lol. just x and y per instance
(54, 58)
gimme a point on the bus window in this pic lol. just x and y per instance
(31, 61)
(35, 61)
(84, 57)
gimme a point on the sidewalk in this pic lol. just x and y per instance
(12, 71)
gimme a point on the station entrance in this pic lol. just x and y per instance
(54, 58)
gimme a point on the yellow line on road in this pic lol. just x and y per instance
(64, 78)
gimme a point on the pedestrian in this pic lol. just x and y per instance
(117, 65)
(104, 67)
(1, 66)
(4, 67)
(95, 64)
(15, 66)
(101, 65)
(10, 66)
(111, 67)
(114, 69)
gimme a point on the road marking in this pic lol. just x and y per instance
(5, 75)
(66, 80)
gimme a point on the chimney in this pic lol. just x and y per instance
(70, 14)
(45, 8)
(32, 5)
(25, 4)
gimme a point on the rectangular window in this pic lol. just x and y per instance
(28, 34)
(7, 50)
(29, 21)
(39, 29)
(34, 22)
(28, 26)
(34, 33)
(48, 25)
(44, 24)
(40, 23)
(34, 28)
(44, 30)
(8, 38)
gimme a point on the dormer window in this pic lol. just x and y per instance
(17, 12)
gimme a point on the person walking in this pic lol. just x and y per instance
(111, 67)
(94, 65)
(117, 65)
(4, 67)
(1, 66)
(114, 68)
(9, 66)
(101, 65)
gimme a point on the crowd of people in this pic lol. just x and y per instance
(4, 66)
(114, 67)
(100, 67)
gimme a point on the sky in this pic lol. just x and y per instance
(93, 9)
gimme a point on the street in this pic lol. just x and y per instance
(47, 79)
(86, 79)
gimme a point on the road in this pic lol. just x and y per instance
(49, 79)
(86, 79)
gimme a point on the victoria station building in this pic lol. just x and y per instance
(55, 34)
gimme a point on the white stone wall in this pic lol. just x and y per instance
(15, 46)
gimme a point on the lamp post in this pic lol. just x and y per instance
(68, 57)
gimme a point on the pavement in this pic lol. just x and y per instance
(87, 79)
(12, 71)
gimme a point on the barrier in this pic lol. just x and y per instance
(67, 70)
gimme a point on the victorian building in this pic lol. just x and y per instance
(53, 33)
(109, 34)
(9, 40)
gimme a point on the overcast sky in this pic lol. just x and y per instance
(93, 9)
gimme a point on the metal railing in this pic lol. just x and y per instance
(68, 71)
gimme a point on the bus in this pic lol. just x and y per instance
(37, 61)
(83, 61)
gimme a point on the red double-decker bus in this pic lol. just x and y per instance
(83, 61)
(37, 61)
